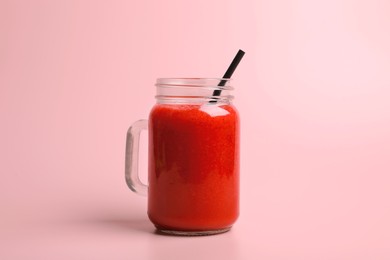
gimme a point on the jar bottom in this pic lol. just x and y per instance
(192, 233)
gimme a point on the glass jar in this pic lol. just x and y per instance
(193, 157)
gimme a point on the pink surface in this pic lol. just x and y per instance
(313, 93)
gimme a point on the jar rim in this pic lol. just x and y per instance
(193, 90)
(191, 78)
(214, 83)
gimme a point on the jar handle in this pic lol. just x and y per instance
(131, 160)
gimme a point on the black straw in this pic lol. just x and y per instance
(228, 74)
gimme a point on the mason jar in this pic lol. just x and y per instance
(193, 161)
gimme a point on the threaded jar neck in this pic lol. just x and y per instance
(194, 90)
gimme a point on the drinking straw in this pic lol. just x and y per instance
(229, 72)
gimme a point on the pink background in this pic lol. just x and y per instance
(313, 93)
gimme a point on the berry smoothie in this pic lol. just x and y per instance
(193, 166)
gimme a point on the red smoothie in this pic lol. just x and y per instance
(193, 166)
